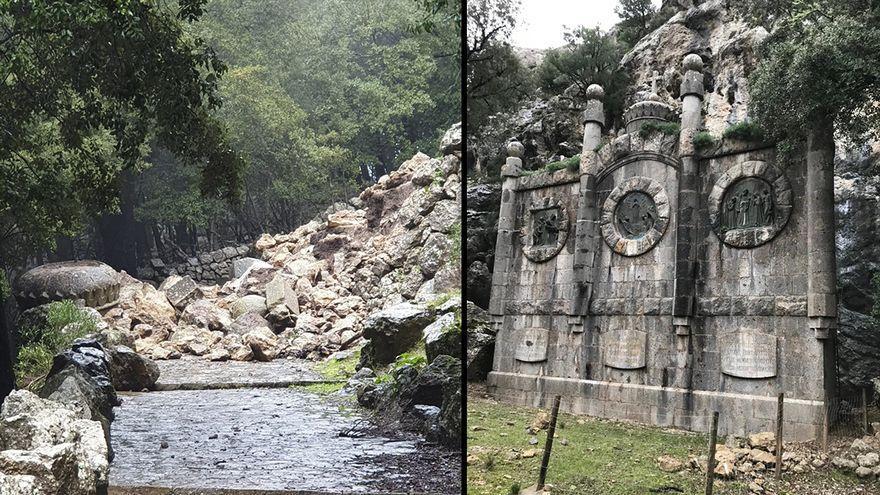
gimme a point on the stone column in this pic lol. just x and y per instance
(504, 246)
(586, 226)
(688, 195)
(821, 261)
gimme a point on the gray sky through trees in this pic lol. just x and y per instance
(541, 23)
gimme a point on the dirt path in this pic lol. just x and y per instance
(263, 439)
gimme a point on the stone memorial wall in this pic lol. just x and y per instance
(660, 283)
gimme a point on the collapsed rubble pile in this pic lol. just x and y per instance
(753, 459)
(312, 290)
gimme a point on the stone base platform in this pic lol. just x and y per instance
(739, 414)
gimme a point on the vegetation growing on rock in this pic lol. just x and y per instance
(57, 326)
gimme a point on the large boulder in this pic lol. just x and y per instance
(130, 371)
(190, 339)
(46, 428)
(263, 343)
(450, 143)
(204, 313)
(92, 281)
(180, 291)
(480, 343)
(393, 331)
(246, 323)
(280, 290)
(241, 266)
(78, 391)
(88, 355)
(250, 303)
(432, 384)
(439, 385)
(443, 337)
(143, 303)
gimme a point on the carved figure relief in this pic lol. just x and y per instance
(635, 216)
(747, 204)
(545, 229)
(750, 204)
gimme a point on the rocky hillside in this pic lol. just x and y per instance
(313, 288)
(550, 129)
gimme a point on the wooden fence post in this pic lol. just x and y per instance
(779, 407)
(545, 461)
(710, 467)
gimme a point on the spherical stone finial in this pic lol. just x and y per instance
(692, 61)
(595, 92)
(515, 149)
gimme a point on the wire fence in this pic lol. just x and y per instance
(853, 413)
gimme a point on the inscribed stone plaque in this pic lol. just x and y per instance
(748, 354)
(533, 346)
(625, 349)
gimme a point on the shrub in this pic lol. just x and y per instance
(65, 322)
(572, 164)
(668, 128)
(745, 131)
(553, 167)
(703, 140)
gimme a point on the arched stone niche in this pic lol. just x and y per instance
(750, 204)
(635, 216)
(545, 229)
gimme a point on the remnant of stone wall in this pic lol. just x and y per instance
(206, 268)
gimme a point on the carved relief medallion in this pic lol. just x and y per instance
(749, 204)
(635, 216)
(545, 229)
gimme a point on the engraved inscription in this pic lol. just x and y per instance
(625, 349)
(635, 215)
(748, 354)
(747, 204)
(533, 346)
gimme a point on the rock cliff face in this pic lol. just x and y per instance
(728, 47)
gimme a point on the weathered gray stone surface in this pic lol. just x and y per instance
(649, 312)
(249, 304)
(180, 291)
(129, 370)
(92, 281)
(393, 331)
(239, 267)
(46, 447)
(443, 337)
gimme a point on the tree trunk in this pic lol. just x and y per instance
(119, 233)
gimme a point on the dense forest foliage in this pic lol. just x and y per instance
(136, 128)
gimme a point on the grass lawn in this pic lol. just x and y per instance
(601, 457)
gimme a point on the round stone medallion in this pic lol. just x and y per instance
(635, 216)
(545, 229)
(749, 204)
